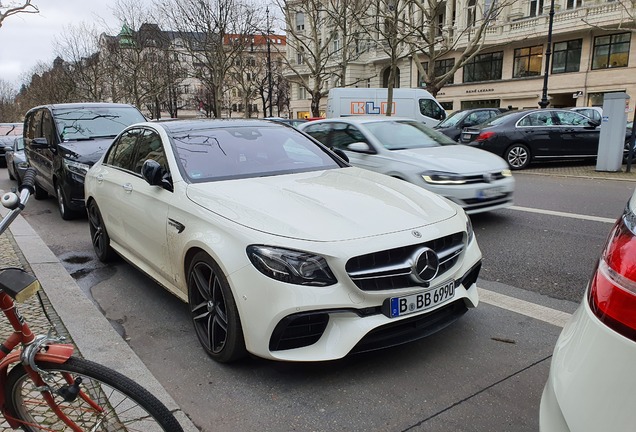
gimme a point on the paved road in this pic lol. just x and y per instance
(484, 373)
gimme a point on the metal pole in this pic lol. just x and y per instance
(544, 102)
(269, 67)
(630, 153)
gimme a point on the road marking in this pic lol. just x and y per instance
(563, 214)
(532, 310)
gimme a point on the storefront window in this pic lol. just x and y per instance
(527, 61)
(567, 56)
(484, 67)
(611, 51)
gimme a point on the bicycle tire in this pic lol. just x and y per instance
(127, 405)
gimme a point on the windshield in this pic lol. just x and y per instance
(451, 120)
(406, 134)
(94, 122)
(249, 151)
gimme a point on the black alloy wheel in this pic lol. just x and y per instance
(213, 310)
(517, 156)
(99, 236)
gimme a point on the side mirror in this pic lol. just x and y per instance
(40, 143)
(155, 175)
(593, 123)
(359, 147)
(8, 149)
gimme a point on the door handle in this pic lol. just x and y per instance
(127, 187)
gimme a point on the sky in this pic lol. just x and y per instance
(26, 39)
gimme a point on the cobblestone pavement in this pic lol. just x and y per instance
(578, 169)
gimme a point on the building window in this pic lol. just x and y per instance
(441, 67)
(439, 29)
(527, 61)
(566, 56)
(573, 4)
(611, 51)
(536, 8)
(448, 106)
(484, 67)
(336, 43)
(300, 21)
(471, 13)
(300, 56)
(302, 93)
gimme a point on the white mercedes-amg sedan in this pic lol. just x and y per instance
(280, 248)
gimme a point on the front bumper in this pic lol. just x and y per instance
(591, 383)
(331, 322)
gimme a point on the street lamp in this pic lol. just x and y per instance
(543, 103)
(269, 66)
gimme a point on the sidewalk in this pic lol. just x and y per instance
(580, 170)
(72, 313)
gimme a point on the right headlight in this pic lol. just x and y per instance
(444, 178)
(291, 266)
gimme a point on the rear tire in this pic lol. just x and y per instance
(125, 405)
(517, 156)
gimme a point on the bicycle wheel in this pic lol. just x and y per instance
(110, 400)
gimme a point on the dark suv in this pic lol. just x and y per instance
(453, 125)
(63, 141)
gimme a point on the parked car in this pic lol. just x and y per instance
(62, 141)
(15, 159)
(521, 137)
(591, 382)
(8, 132)
(453, 125)
(280, 247)
(595, 113)
(407, 149)
(292, 122)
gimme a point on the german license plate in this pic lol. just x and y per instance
(467, 137)
(490, 192)
(405, 305)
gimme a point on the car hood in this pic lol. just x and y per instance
(85, 151)
(458, 159)
(332, 205)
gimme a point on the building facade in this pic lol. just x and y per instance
(591, 54)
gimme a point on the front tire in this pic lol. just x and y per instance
(517, 156)
(213, 310)
(99, 235)
(122, 403)
(62, 204)
(40, 193)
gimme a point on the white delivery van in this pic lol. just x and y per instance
(413, 103)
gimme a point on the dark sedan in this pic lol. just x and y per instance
(521, 137)
(453, 125)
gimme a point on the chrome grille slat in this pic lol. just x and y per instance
(392, 269)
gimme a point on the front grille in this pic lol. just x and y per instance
(482, 178)
(392, 269)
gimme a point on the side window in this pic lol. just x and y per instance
(571, 118)
(536, 119)
(429, 108)
(319, 132)
(34, 125)
(48, 127)
(122, 151)
(149, 146)
(344, 134)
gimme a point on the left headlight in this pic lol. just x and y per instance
(440, 177)
(291, 266)
(76, 167)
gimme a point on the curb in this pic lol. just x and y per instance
(88, 329)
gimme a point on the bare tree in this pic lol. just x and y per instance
(8, 8)
(9, 109)
(435, 34)
(215, 34)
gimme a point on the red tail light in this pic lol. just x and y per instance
(485, 136)
(612, 293)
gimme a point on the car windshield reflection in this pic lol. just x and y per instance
(402, 135)
(228, 153)
(91, 123)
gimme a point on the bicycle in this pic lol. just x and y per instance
(49, 388)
